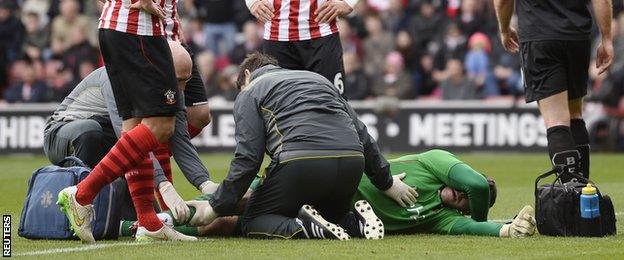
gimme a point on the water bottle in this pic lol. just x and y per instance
(590, 213)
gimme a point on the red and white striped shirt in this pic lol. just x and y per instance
(293, 20)
(118, 16)
(172, 23)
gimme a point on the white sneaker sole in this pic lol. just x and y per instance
(373, 227)
(335, 230)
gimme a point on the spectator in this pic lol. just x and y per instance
(28, 89)
(194, 35)
(452, 45)
(376, 46)
(11, 38)
(456, 86)
(395, 82)
(36, 34)
(80, 50)
(477, 63)
(508, 76)
(425, 81)
(252, 42)
(67, 22)
(350, 42)
(425, 26)
(395, 17)
(470, 20)
(355, 78)
(38, 7)
(219, 25)
(207, 71)
(226, 89)
(405, 46)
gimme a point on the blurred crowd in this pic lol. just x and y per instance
(402, 49)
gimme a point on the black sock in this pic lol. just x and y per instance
(581, 139)
(562, 151)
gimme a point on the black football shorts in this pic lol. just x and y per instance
(142, 74)
(551, 67)
(195, 92)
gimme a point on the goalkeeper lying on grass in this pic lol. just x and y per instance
(448, 190)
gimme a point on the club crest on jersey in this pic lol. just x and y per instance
(170, 97)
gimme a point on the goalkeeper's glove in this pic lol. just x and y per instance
(208, 187)
(401, 192)
(176, 204)
(522, 226)
(204, 214)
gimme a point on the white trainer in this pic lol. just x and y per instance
(166, 233)
(80, 217)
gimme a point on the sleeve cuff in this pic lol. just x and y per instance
(351, 3)
(383, 180)
(249, 3)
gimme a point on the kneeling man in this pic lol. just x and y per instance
(318, 151)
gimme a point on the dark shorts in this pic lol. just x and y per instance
(195, 92)
(141, 72)
(322, 55)
(328, 184)
(551, 67)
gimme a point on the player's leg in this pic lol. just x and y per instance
(197, 109)
(546, 81)
(80, 138)
(154, 94)
(579, 55)
(324, 56)
(273, 211)
(361, 221)
(561, 146)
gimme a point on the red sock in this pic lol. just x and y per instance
(128, 152)
(162, 155)
(161, 202)
(141, 186)
(193, 131)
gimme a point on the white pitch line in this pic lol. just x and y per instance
(77, 249)
(509, 220)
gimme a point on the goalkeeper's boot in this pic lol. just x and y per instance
(315, 226)
(363, 222)
(79, 216)
(165, 233)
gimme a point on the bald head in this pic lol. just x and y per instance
(181, 61)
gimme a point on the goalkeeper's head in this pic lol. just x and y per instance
(251, 63)
(458, 199)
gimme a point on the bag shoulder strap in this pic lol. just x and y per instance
(73, 159)
(542, 176)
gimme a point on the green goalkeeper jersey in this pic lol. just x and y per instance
(428, 172)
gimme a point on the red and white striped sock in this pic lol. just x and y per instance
(128, 152)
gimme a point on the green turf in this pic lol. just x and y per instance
(514, 174)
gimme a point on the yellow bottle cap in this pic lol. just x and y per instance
(589, 190)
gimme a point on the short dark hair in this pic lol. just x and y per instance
(493, 191)
(252, 62)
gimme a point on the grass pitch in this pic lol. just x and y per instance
(514, 174)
